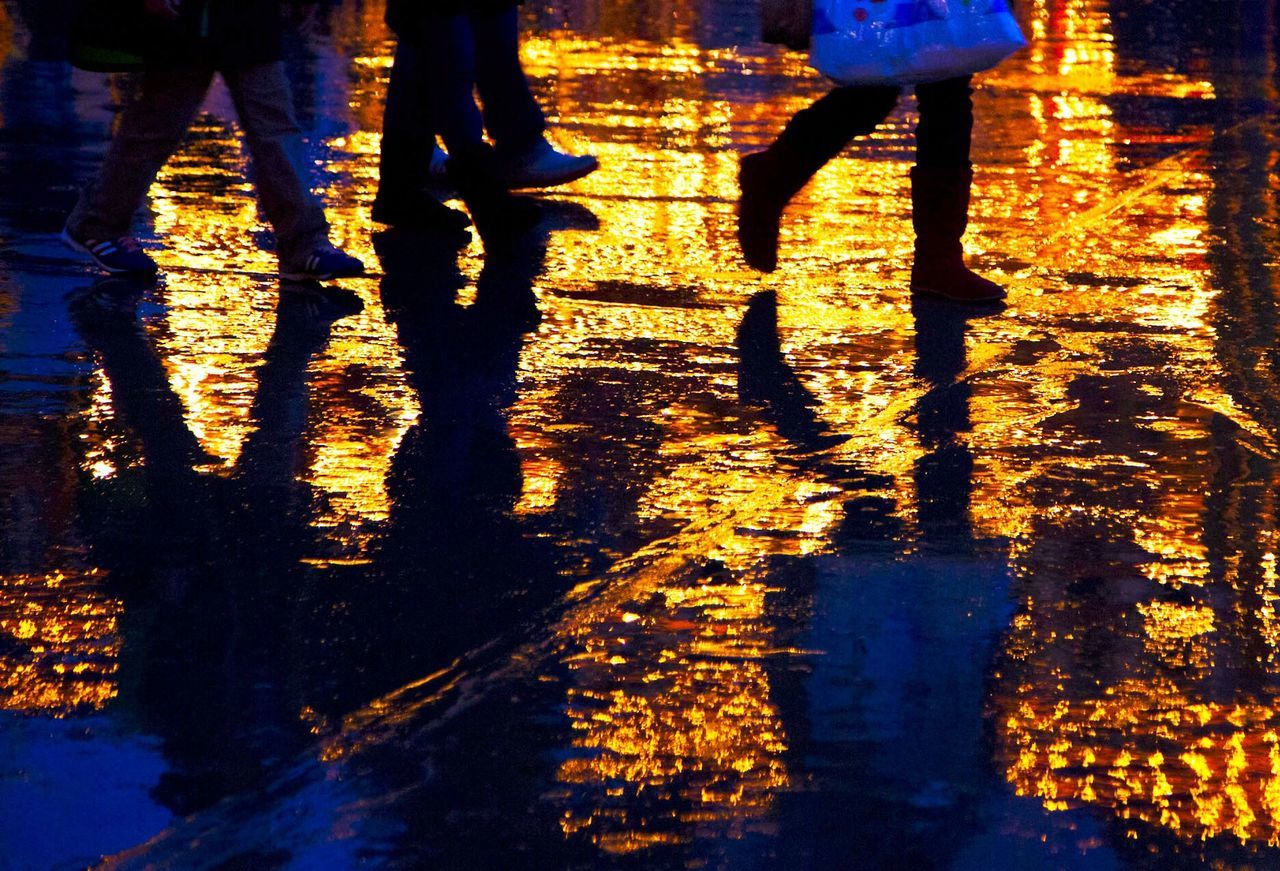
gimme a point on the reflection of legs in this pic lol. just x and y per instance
(150, 130)
(140, 390)
(940, 184)
(765, 378)
(265, 110)
(943, 474)
(769, 179)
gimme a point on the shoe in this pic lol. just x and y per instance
(940, 215)
(421, 211)
(500, 218)
(324, 263)
(122, 255)
(542, 166)
(760, 210)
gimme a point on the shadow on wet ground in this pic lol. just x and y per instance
(608, 552)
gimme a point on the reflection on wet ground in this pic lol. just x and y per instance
(608, 552)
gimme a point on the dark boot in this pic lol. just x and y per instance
(500, 218)
(940, 214)
(768, 181)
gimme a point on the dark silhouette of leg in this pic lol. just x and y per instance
(408, 139)
(511, 114)
(940, 184)
(449, 45)
(770, 178)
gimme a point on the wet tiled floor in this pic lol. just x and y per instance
(612, 553)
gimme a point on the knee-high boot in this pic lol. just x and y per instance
(940, 214)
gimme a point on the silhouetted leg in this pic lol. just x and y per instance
(449, 51)
(151, 128)
(265, 109)
(449, 62)
(940, 184)
(946, 123)
(408, 139)
(770, 178)
(511, 114)
(408, 123)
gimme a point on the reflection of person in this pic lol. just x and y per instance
(765, 379)
(449, 51)
(213, 562)
(241, 41)
(940, 180)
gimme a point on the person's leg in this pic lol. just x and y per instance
(816, 134)
(408, 128)
(265, 109)
(946, 123)
(449, 51)
(151, 128)
(940, 183)
(511, 114)
(408, 140)
(449, 66)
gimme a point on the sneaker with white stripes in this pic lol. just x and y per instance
(122, 255)
(322, 264)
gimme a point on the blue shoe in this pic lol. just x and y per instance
(324, 263)
(122, 255)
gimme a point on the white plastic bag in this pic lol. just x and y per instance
(887, 42)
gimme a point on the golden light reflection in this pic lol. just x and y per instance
(1092, 404)
(59, 633)
(676, 736)
(1153, 754)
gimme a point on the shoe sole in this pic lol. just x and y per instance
(76, 246)
(327, 276)
(934, 293)
(518, 184)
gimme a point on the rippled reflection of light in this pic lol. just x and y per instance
(61, 644)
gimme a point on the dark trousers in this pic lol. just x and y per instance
(821, 131)
(440, 66)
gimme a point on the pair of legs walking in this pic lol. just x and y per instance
(940, 181)
(442, 62)
(435, 71)
(151, 129)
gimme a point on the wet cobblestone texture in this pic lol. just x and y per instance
(611, 552)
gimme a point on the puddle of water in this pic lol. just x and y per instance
(669, 562)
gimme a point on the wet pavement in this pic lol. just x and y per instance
(609, 552)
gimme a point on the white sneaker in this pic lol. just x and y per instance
(542, 166)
